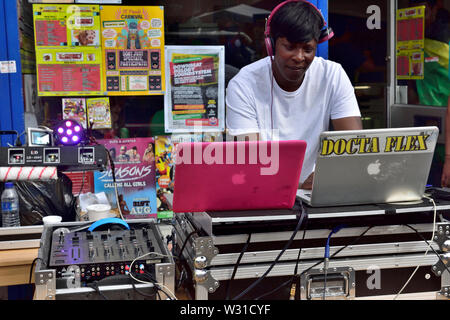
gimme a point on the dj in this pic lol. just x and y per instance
(291, 94)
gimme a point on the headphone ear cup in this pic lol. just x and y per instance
(269, 46)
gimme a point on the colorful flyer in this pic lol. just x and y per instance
(165, 169)
(68, 53)
(410, 43)
(195, 98)
(133, 50)
(75, 109)
(69, 72)
(135, 177)
(66, 25)
(99, 112)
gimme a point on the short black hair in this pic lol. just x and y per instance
(297, 22)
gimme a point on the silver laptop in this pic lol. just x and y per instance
(372, 166)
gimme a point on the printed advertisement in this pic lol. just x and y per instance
(135, 177)
(99, 112)
(133, 50)
(165, 169)
(66, 25)
(75, 109)
(68, 53)
(195, 89)
(410, 43)
(69, 72)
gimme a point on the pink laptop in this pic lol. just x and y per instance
(228, 176)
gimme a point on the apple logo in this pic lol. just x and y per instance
(238, 178)
(373, 169)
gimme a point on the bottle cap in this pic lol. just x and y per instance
(9, 185)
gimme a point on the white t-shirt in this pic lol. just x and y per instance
(253, 95)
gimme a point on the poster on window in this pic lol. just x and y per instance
(69, 72)
(133, 50)
(134, 164)
(195, 82)
(410, 43)
(99, 112)
(75, 109)
(68, 53)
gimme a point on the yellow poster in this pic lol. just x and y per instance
(410, 43)
(133, 50)
(68, 52)
(99, 112)
(69, 71)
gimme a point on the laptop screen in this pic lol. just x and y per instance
(250, 175)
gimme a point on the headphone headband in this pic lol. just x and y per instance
(269, 19)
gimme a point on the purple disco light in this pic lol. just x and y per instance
(69, 133)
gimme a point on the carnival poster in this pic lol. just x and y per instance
(133, 49)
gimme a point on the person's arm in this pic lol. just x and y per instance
(348, 123)
(445, 178)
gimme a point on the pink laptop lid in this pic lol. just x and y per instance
(226, 176)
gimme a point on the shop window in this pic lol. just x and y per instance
(427, 82)
(362, 53)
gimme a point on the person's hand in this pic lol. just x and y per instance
(445, 178)
(307, 184)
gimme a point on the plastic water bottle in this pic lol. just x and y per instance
(10, 206)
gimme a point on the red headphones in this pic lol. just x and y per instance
(326, 33)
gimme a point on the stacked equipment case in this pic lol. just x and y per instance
(352, 252)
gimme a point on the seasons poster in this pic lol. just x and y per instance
(133, 49)
(134, 163)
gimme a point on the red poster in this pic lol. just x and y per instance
(50, 33)
(69, 78)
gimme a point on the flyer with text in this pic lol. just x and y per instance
(68, 52)
(410, 43)
(99, 112)
(135, 177)
(194, 101)
(133, 50)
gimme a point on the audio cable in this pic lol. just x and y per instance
(254, 284)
